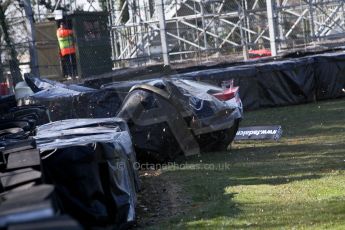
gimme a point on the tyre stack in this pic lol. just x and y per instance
(25, 202)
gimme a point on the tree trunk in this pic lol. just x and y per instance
(2, 79)
(15, 71)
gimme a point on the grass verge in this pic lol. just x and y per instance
(298, 182)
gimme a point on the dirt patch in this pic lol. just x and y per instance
(160, 199)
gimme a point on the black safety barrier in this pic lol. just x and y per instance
(285, 82)
(267, 83)
(262, 84)
(6, 103)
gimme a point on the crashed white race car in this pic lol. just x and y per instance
(173, 116)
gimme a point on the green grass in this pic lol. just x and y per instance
(296, 183)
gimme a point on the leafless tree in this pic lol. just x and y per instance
(8, 50)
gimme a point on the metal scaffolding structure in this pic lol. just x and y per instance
(149, 32)
(212, 28)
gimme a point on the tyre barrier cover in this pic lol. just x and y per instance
(92, 164)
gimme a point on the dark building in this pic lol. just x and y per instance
(92, 42)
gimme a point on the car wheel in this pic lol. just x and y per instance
(219, 140)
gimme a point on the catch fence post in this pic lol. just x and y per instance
(271, 26)
(163, 32)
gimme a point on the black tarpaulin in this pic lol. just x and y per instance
(329, 76)
(284, 82)
(6, 103)
(72, 101)
(262, 84)
(91, 162)
(67, 104)
(38, 84)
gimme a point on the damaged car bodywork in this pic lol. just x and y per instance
(173, 116)
(166, 117)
